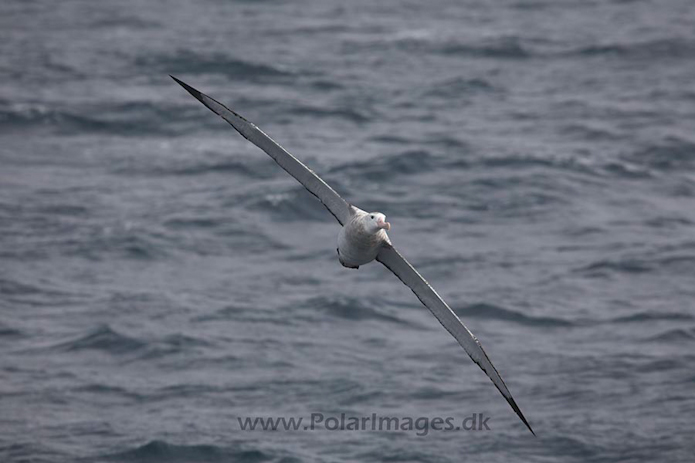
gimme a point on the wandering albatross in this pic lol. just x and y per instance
(363, 239)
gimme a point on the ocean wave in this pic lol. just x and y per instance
(582, 131)
(525, 160)
(670, 222)
(48, 68)
(119, 242)
(179, 391)
(637, 265)
(391, 139)
(16, 288)
(7, 331)
(387, 166)
(293, 205)
(111, 391)
(517, 48)
(492, 47)
(537, 200)
(347, 308)
(325, 85)
(105, 339)
(663, 364)
(431, 42)
(230, 312)
(675, 335)
(657, 49)
(601, 267)
(185, 62)
(124, 22)
(318, 112)
(448, 141)
(677, 262)
(133, 118)
(457, 87)
(162, 451)
(145, 118)
(652, 316)
(23, 294)
(179, 342)
(202, 164)
(192, 223)
(672, 153)
(499, 48)
(494, 312)
(626, 170)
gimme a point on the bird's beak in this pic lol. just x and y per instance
(385, 225)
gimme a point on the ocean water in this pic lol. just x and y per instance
(161, 278)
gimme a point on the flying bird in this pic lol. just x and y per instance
(363, 239)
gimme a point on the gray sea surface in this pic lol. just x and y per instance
(161, 278)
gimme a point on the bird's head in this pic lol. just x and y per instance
(375, 221)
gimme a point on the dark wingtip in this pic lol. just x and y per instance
(198, 95)
(517, 410)
(208, 102)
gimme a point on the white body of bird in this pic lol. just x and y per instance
(362, 237)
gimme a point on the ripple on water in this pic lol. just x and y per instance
(494, 312)
(162, 451)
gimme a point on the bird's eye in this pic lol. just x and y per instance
(371, 216)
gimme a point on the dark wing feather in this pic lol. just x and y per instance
(393, 260)
(335, 204)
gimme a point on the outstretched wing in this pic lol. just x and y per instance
(393, 260)
(335, 204)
